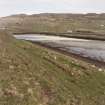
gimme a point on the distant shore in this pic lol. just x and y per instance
(89, 36)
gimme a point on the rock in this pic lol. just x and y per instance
(93, 66)
(100, 69)
(102, 25)
(30, 91)
(55, 57)
(11, 67)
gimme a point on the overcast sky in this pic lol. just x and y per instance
(8, 7)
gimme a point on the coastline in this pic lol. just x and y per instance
(94, 62)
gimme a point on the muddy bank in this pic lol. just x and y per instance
(97, 63)
(89, 50)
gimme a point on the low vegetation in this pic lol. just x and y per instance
(33, 75)
(70, 25)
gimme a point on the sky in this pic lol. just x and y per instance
(9, 7)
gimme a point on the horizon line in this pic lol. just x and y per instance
(82, 13)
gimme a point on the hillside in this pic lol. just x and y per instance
(33, 75)
(73, 25)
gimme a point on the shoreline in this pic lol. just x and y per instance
(100, 64)
(85, 36)
(97, 63)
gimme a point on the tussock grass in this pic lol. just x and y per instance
(33, 75)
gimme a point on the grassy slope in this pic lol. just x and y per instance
(33, 75)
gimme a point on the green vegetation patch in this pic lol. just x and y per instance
(33, 75)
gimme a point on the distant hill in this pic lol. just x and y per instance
(89, 25)
(49, 22)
